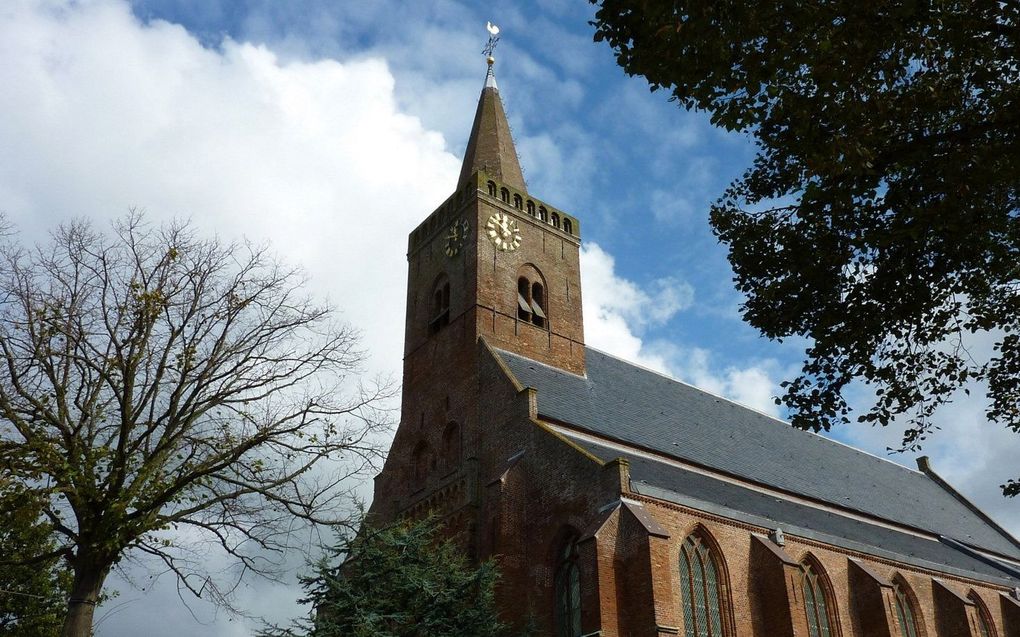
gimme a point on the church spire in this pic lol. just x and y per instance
(491, 147)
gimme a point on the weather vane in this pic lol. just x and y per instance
(493, 39)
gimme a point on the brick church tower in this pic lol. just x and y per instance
(619, 502)
(491, 262)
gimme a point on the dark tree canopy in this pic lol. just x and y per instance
(156, 386)
(880, 218)
(401, 581)
(33, 592)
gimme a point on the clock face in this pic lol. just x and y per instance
(503, 232)
(455, 237)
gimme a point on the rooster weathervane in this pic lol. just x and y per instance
(493, 39)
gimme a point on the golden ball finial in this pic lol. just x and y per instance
(491, 60)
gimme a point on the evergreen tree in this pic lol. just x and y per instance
(400, 581)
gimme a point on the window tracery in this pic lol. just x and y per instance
(817, 604)
(905, 611)
(985, 624)
(700, 589)
(567, 588)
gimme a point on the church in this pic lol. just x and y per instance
(622, 503)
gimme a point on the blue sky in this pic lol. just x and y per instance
(332, 128)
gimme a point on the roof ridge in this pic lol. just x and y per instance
(749, 408)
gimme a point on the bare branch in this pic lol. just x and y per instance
(153, 379)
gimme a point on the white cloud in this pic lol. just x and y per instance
(616, 310)
(671, 207)
(99, 113)
(618, 314)
(607, 294)
(974, 455)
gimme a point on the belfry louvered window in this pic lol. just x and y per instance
(905, 613)
(531, 301)
(700, 590)
(567, 588)
(815, 604)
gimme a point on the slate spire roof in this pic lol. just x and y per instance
(491, 147)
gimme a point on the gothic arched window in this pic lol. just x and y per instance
(700, 589)
(817, 604)
(567, 588)
(905, 611)
(985, 624)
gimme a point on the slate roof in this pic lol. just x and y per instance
(676, 484)
(626, 403)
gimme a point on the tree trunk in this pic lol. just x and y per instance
(81, 606)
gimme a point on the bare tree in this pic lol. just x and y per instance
(155, 385)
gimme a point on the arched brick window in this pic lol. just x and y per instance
(818, 601)
(492, 188)
(518, 202)
(421, 461)
(906, 612)
(543, 214)
(568, 226)
(531, 207)
(985, 624)
(567, 588)
(531, 301)
(439, 314)
(701, 589)
(451, 446)
(504, 194)
(555, 220)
